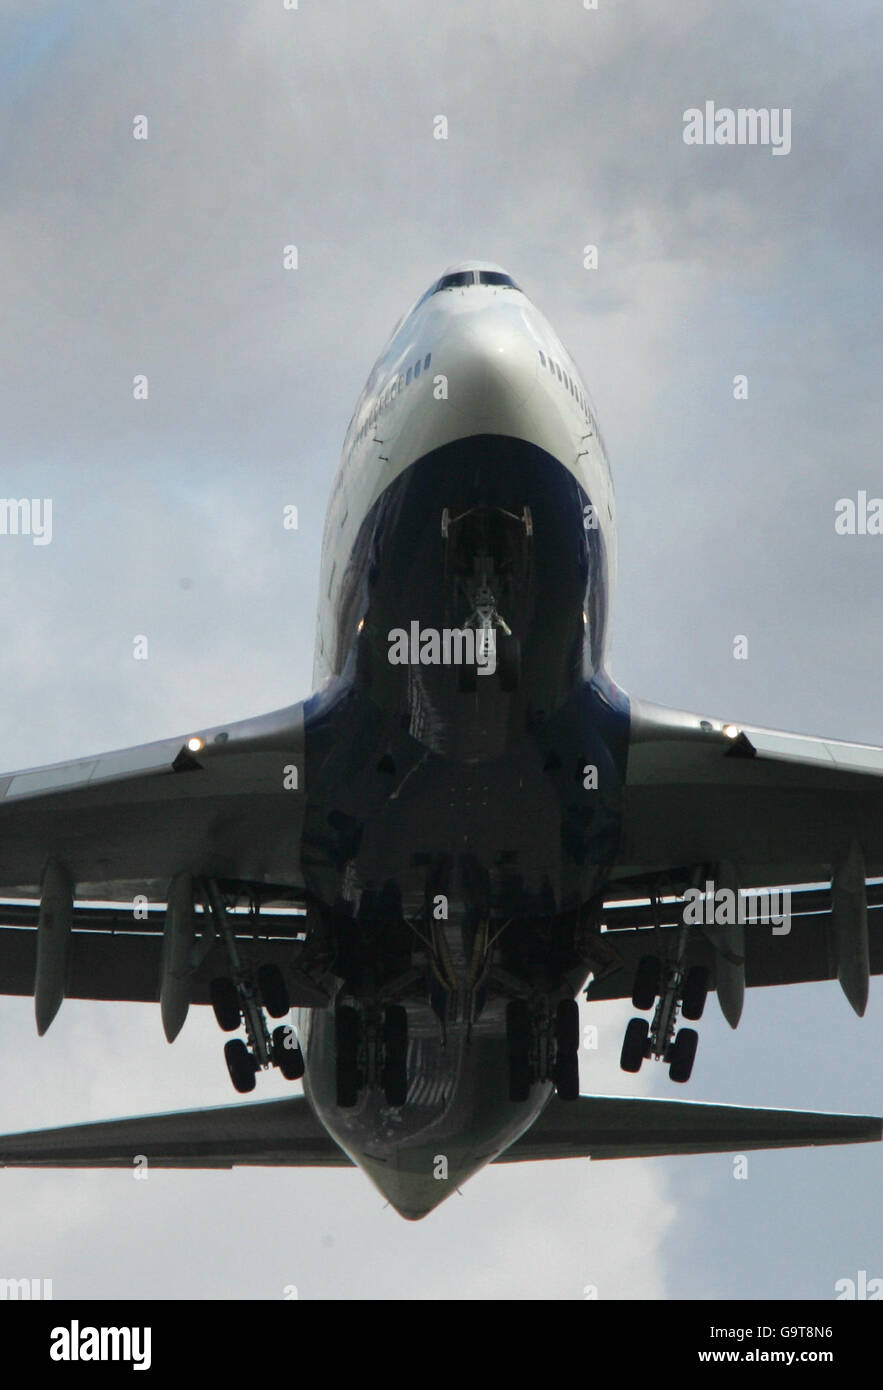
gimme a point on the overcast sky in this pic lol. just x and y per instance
(314, 127)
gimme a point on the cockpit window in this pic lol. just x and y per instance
(496, 277)
(455, 281)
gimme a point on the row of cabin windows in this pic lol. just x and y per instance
(569, 383)
(391, 390)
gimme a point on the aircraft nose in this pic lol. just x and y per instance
(491, 368)
(418, 1182)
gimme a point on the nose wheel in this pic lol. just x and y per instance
(489, 568)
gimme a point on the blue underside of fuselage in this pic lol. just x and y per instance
(420, 791)
(410, 780)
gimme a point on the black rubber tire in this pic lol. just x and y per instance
(348, 948)
(647, 980)
(240, 1065)
(567, 1028)
(364, 661)
(567, 1077)
(273, 990)
(634, 1045)
(682, 1055)
(508, 661)
(225, 1003)
(695, 992)
(347, 1031)
(286, 1053)
(518, 1030)
(519, 1080)
(467, 678)
(518, 1040)
(395, 1054)
(347, 1088)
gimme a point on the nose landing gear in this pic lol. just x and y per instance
(488, 565)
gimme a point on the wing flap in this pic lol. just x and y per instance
(805, 954)
(127, 967)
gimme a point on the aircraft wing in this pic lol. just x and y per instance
(747, 808)
(632, 1127)
(226, 804)
(783, 808)
(132, 819)
(271, 1133)
(286, 1133)
(804, 953)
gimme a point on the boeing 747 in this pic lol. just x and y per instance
(397, 888)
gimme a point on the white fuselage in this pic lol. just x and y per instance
(494, 365)
(474, 401)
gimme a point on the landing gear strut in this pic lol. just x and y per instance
(240, 998)
(677, 989)
(488, 555)
(542, 1047)
(371, 1048)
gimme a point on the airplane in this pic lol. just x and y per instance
(467, 824)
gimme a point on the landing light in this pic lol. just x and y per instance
(361, 625)
(731, 730)
(195, 744)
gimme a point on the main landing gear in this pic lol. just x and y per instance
(677, 990)
(371, 1046)
(542, 1046)
(241, 999)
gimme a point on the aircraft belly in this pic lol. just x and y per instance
(469, 831)
(456, 1120)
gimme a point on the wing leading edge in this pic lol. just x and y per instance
(226, 802)
(783, 808)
